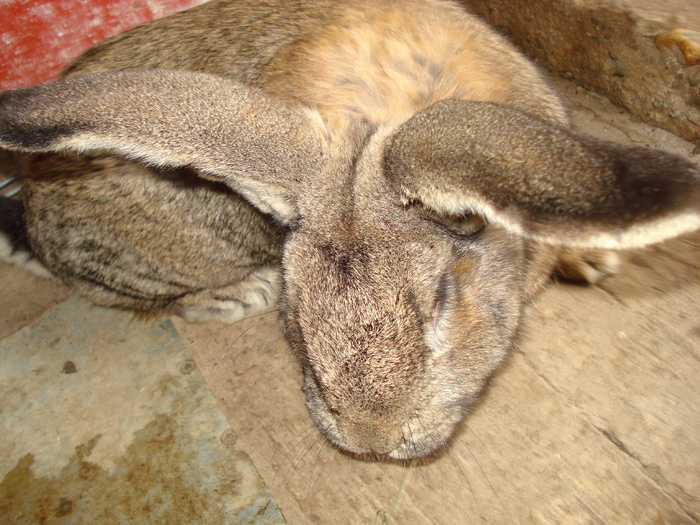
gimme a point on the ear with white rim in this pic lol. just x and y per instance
(540, 180)
(257, 145)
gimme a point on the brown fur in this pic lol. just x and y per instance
(400, 146)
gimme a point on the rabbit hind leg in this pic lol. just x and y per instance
(583, 265)
(586, 265)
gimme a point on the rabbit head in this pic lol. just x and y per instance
(409, 246)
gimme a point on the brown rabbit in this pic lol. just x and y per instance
(412, 171)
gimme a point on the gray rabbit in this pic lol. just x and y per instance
(393, 169)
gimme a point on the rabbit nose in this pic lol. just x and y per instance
(368, 436)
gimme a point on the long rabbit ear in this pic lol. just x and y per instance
(539, 180)
(259, 146)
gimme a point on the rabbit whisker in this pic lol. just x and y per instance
(235, 340)
(310, 483)
(306, 435)
(227, 326)
(478, 464)
(300, 451)
(317, 441)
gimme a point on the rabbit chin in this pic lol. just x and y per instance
(388, 437)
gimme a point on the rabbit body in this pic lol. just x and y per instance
(404, 267)
(380, 62)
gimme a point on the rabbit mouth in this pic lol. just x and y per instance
(428, 433)
(401, 437)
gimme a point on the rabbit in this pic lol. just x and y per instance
(394, 170)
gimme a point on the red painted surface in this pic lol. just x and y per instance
(38, 38)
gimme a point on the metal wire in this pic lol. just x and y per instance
(10, 184)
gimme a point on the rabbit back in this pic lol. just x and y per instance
(381, 61)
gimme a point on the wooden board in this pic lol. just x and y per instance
(595, 418)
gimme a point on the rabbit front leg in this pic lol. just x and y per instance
(257, 293)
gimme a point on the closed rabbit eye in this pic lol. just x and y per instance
(464, 225)
(461, 226)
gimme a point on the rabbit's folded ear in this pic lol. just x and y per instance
(539, 180)
(257, 145)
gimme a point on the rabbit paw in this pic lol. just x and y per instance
(255, 294)
(586, 265)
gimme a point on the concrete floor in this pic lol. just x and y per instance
(595, 418)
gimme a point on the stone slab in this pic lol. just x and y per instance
(105, 419)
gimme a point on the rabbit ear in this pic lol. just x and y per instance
(257, 145)
(539, 180)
